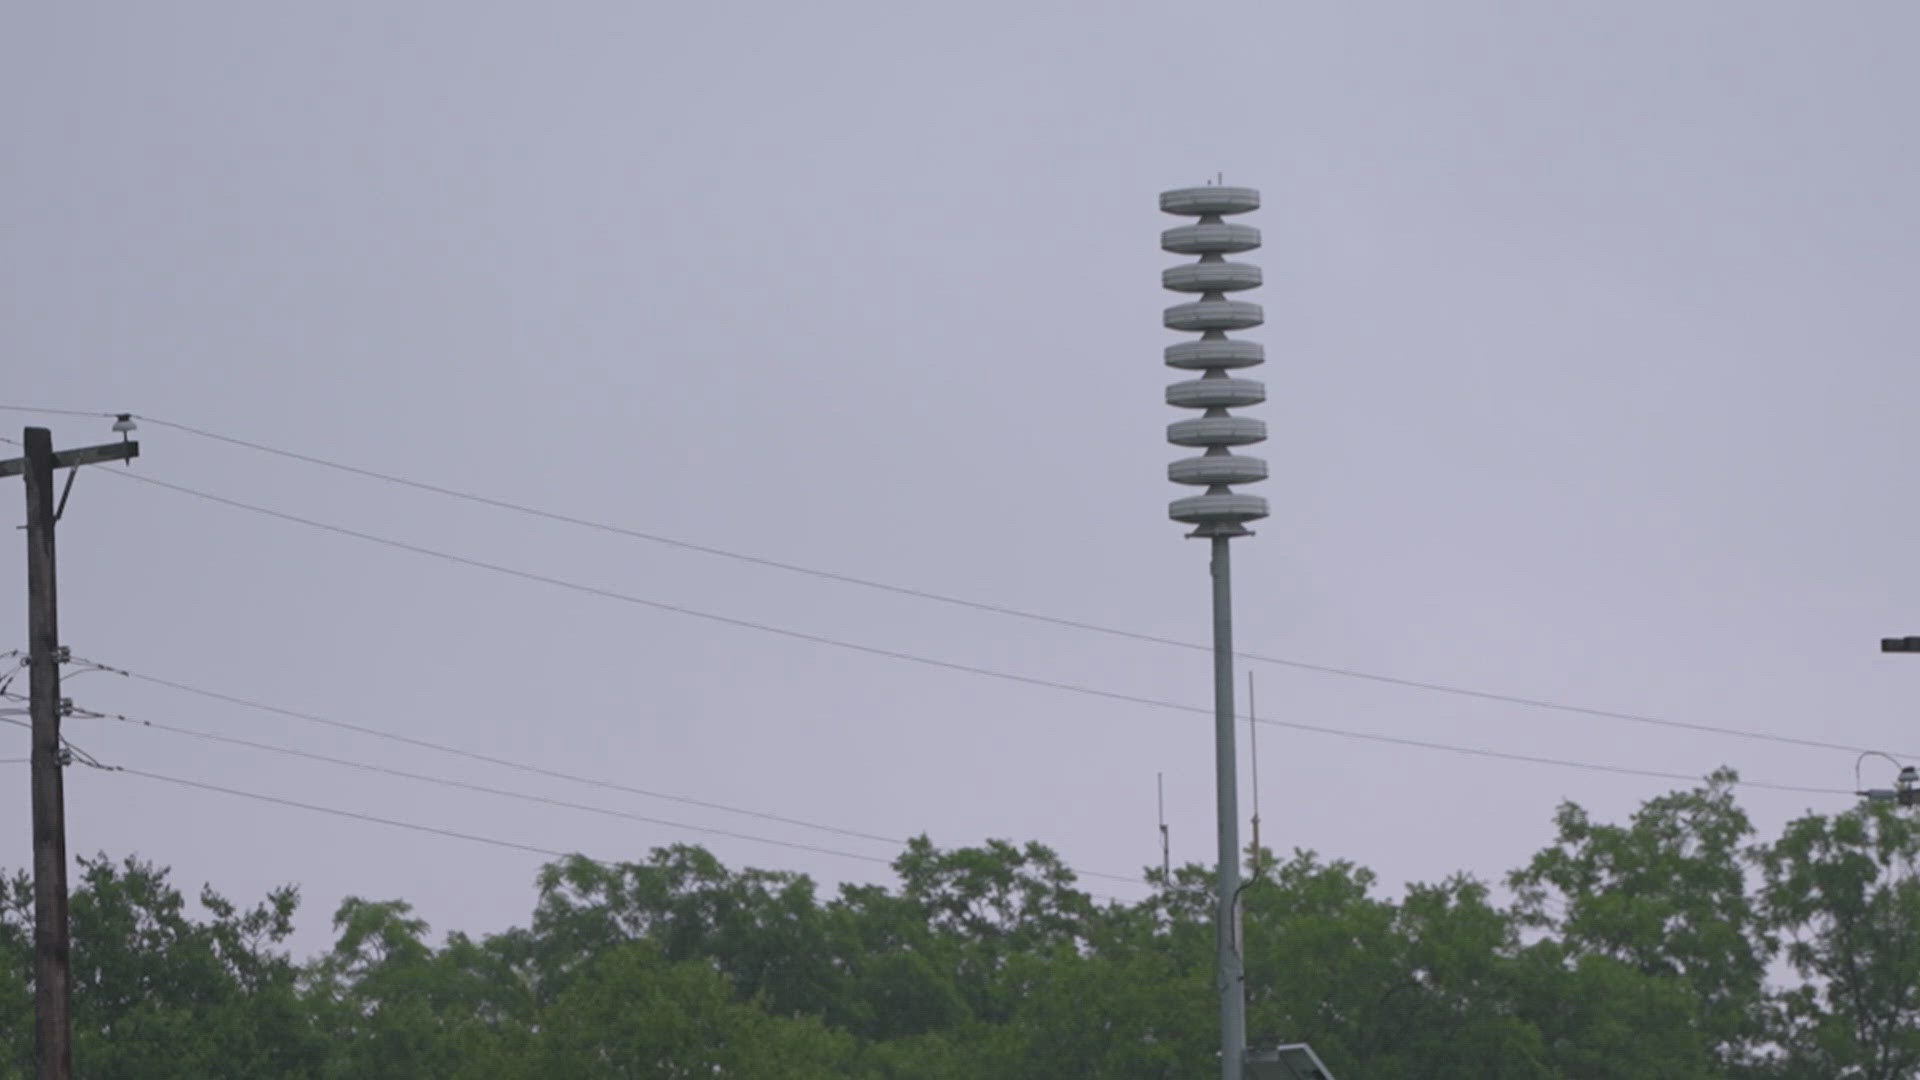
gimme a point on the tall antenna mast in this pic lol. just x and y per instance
(1253, 752)
(1166, 847)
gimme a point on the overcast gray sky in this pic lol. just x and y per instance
(1589, 335)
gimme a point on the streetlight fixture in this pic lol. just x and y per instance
(1905, 790)
(1294, 1062)
(1219, 513)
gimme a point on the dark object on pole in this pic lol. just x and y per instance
(1166, 838)
(52, 978)
(1900, 644)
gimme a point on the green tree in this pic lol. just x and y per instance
(1424, 988)
(1632, 952)
(393, 1006)
(762, 929)
(634, 1015)
(989, 904)
(16, 994)
(1844, 891)
(157, 993)
(1143, 1015)
(1603, 1019)
(1665, 895)
(899, 977)
(1002, 896)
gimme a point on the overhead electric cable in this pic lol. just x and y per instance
(1623, 770)
(541, 799)
(1112, 695)
(998, 609)
(658, 605)
(502, 792)
(507, 763)
(894, 654)
(57, 412)
(398, 824)
(490, 759)
(977, 605)
(476, 838)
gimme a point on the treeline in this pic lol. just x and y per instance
(1674, 945)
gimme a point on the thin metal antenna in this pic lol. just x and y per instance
(1253, 752)
(1166, 848)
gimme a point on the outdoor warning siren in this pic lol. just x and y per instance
(1220, 511)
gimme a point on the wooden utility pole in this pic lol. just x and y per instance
(52, 980)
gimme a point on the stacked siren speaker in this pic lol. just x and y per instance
(1220, 511)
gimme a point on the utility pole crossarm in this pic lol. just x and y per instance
(86, 455)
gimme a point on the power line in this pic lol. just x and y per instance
(992, 608)
(893, 654)
(545, 800)
(1532, 759)
(503, 762)
(510, 794)
(658, 605)
(357, 816)
(511, 764)
(1032, 680)
(998, 609)
(616, 813)
(58, 412)
(489, 759)
(502, 792)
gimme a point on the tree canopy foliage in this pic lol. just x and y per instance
(1674, 945)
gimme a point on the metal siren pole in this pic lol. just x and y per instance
(1219, 514)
